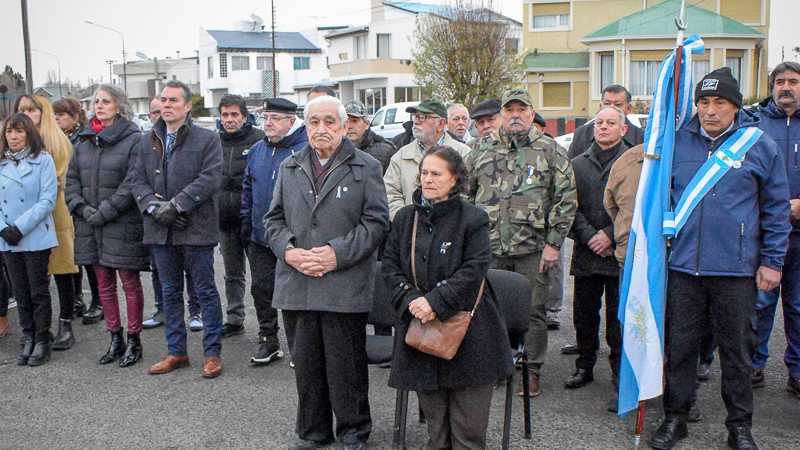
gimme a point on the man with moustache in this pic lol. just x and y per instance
(457, 122)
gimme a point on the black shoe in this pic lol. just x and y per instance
(553, 324)
(303, 444)
(41, 353)
(580, 378)
(703, 371)
(133, 351)
(26, 348)
(695, 415)
(757, 378)
(79, 307)
(115, 350)
(268, 351)
(94, 314)
(569, 349)
(64, 338)
(793, 386)
(669, 433)
(613, 404)
(355, 446)
(229, 329)
(739, 438)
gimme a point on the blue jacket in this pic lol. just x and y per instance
(263, 161)
(743, 222)
(27, 199)
(785, 131)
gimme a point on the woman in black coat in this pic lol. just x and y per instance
(452, 258)
(108, 226)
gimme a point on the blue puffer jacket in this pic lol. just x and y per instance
(785, 131)
(263, 161)
(743, 222)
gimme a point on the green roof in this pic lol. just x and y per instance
(576, 60)
(659, 21)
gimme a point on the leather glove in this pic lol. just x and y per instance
(247, 231)
(96, 220)
(88, 211)
(11, 234)
(181, 223)
(166, 213)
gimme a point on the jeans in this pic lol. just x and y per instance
(262, 269)
(789, 293)
(28, 272)
(172, 261)
(134, 298)
(194, 304)
(234, 251)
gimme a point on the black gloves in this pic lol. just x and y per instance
(167, 215)
(247, 231)
(11, 234)
(96, 220)
(88, 211)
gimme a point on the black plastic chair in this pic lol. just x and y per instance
(512, 292)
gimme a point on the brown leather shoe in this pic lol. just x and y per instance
(170, 363)
(212, 367)
(4, 327)
(533, 386)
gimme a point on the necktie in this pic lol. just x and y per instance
(170, 141)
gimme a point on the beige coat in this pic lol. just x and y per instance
(620, 196)
(62, 258)
(402, 175)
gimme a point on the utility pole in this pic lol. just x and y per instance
(274, 74)
(26, 41)
(110, 62)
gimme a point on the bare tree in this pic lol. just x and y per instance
(51, 78)
(465, 54)
(796, 51)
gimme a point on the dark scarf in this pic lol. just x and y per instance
(18, 156)
(316, 164)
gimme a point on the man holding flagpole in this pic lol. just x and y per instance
(729, 230)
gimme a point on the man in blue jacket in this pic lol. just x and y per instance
(260, 175)
(731, 244)
(176, 182)
(780, 120)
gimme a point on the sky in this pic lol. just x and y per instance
(162, 28)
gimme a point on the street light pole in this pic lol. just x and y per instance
(26, 42)
(60, 85)
(124, 65)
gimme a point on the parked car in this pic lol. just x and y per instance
(388, 121)
(640, 120)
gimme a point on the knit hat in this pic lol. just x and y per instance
(719, 83)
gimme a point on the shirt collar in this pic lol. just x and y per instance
(422, 148)
(704, 134)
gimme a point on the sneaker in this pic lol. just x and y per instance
(703, 371)
(268, 351)
(793, 386)
(553, 323)
(757, 378)
(229, 329)
(156, 320)
(195, 323)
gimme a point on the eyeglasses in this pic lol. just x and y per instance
(422, 117)
(274, 118)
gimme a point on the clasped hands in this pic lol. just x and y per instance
(313, 263)
(167, 214)
(601, 243)
(421, 309)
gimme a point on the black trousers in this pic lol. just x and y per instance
(262, 271)
(586, 304)
(457, 418)
(330, 362)
(692, 303)
(28, 272)
(65, 286)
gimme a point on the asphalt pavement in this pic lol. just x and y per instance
(74, 403)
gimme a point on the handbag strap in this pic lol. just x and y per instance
(414, 264)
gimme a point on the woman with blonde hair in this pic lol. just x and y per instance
(62, 260)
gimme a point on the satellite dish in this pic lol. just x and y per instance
(256, 18)
(141, 55)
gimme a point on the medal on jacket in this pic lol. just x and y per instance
(529, 180)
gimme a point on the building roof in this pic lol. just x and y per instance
(544, 61)
(262, 40)
(439, 10)
(346, 31)
(658, 21)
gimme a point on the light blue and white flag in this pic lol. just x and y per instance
(644, 280)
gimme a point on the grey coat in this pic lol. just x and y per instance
(350, 213)
(193, 178)
(99, 176)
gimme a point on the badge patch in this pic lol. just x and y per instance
(709, 85)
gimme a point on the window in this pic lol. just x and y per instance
(360, 46)
(606, 70)
(376, 121)
(735, 63)
(644, 75)
(384, 42)
(240, 62)
(700, 68)
(263, 63)
(372, 98)
(302, 63)
(210, 67)
(407, 94)
(550, 16)
(391, 114)
(556, 95)
(223, 65)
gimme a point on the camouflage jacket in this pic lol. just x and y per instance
(526, 186)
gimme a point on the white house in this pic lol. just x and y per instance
(145, 78)
(240, 62)
(372, 63)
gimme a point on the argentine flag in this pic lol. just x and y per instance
(644, 280)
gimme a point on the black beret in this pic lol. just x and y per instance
(279, 105)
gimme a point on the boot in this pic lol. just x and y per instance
(116, 349)
(4, 327)
(80, 307)
(94, 314)
(64, 338)
(26, 348)
(41, 352)
(133, 352)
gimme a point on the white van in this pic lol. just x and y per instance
(388, 121)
